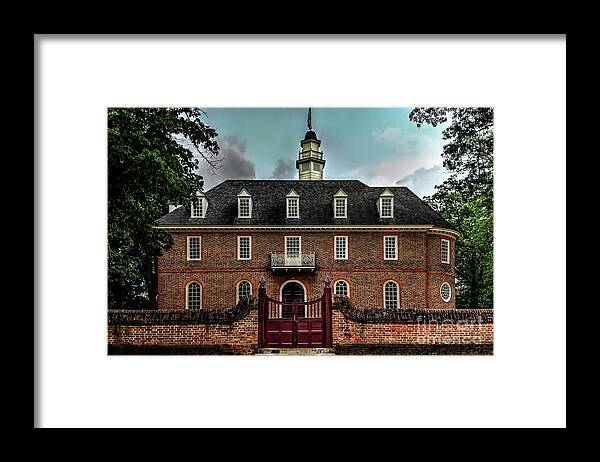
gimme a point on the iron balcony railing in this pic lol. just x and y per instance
(298, 261)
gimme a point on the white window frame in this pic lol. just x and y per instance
(285, 240)
(335, 247)
(335, 211)
(347, 286)
(237, 290)
(199, 248)
(197, 211)
(187, 294)
(395, 246)
(398, 292)
(442, 250)
(244, 195)
(238, 247)
(381, 199)
(240, 199)
(288, 200)
(200, 211)
(449, 292)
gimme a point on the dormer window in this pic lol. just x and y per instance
(386, 204)
(198, 206)
(292, 205)
(340, 204)
(244, 204)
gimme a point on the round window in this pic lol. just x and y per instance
(445, 291)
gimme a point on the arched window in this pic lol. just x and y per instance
(341, 288)
(445, 292)
(391, 295)
(194, 296)
(244, 289)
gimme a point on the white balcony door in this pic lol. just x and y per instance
(292, 251)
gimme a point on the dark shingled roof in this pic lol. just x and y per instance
(316, 205)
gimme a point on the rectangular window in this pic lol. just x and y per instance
(341, 247)
(386, 207)
(340, 207)
(292, 246)
(292, 207)
(197, 208)
(244, 247)
(194, 248)
(445, 251)
(390, 247)
(244, 207)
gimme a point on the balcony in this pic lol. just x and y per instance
(300, 262)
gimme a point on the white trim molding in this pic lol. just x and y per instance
(198, 211)
(340, 195)
(199, 248)
(442, 242)
(249, 245)
(445, 284)
(237, 290)
(292, 196)
(395, 257)
(187, 294)
(285, 243)
(335, 247)
(386, 194)
(309, 228)
(244, 195)
(385, 283)
(345, 282)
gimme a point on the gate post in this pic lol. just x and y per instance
(262, 311)
(327, 304)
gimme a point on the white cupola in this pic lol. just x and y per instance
(310, 163)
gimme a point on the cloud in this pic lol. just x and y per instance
(235, 166)
(285, 169)
(423, 180)
(410, 152)
(387, 134)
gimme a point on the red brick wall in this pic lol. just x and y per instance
(346, 332)
(365, 270)
(239, 337)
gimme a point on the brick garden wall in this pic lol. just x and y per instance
(348, 332)
(238, 337)
(241, 336)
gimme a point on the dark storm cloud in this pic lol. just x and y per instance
(284, 169)
(235, 165)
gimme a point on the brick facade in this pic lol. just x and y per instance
(418, 270)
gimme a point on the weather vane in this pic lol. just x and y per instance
(309, 121)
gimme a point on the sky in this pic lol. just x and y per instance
(379, 146)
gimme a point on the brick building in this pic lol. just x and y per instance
(382, 247)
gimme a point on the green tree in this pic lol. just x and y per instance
(152, 159)
(465, 199)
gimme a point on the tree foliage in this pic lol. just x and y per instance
(152, 159)
(465, 199)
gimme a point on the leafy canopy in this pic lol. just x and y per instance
(465, 199)
(152, 159)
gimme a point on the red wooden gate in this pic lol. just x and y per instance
(295, 324)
